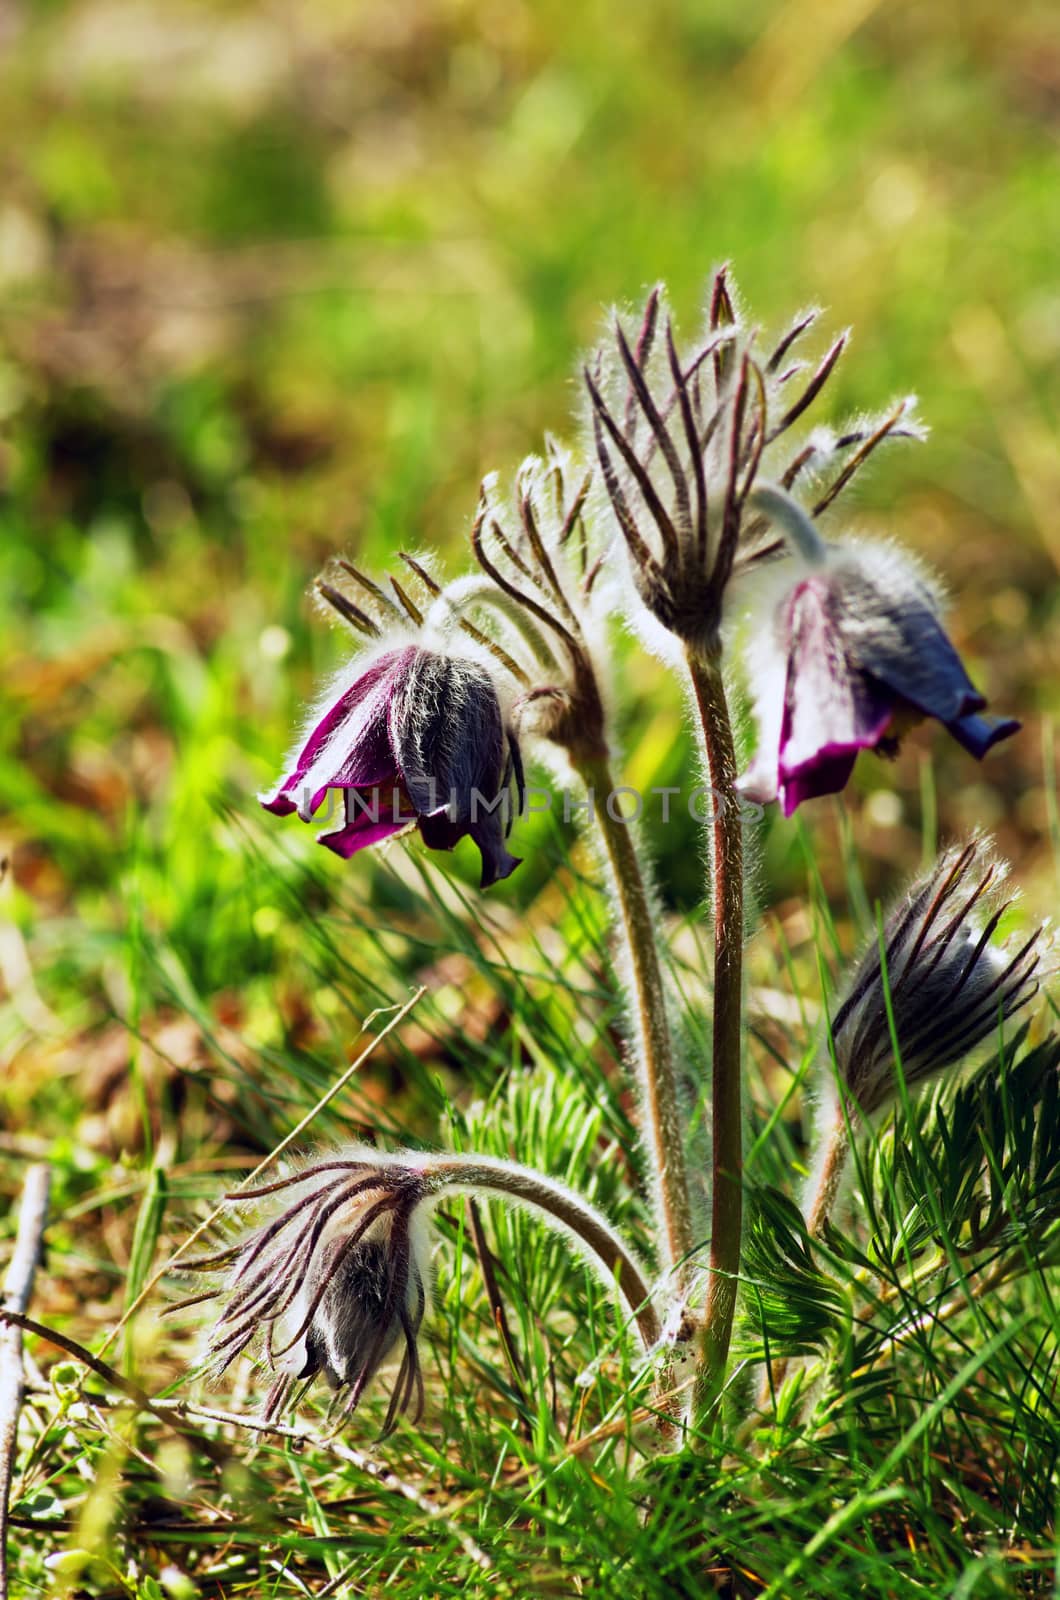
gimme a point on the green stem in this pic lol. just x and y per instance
(662, 1126)
(726, 881)
(522, 1186)
(822, 1191)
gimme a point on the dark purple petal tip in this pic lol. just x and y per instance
(980, 734)
(828, 773)
(354, 836)
(280, 804)
(497, 864)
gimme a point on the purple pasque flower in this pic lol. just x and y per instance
(332, 1282)
(851, 654)
(410, 736)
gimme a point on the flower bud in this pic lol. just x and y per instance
(950, 985)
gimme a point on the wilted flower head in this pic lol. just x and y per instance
(950, 985)
(681, 438)
(332, 1282)
(849, 656)
(410, 735)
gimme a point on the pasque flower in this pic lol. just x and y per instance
(950, 983)
(410, 735)
(334, 1277)
(849, 654)
(332, 1283)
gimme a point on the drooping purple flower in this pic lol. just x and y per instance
(416, 737)
(852, 654)
(330, 1283)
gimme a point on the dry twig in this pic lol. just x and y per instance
(18, 1286)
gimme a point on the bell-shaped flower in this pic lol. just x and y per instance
(409, 735)
(951, 985)
(332, 1283)
(333, 1278)
(848, 655)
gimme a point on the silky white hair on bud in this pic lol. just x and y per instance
(949, 984)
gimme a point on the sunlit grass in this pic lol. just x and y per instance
(275, 288)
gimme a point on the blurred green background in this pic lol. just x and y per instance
(283, 280)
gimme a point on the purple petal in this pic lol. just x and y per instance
(831, 710)
(448, 737)
(914, 658)
(828, 773)
(349, 746)
(901, 644)
(365, 824)
(280, 805)
(439, 832)
(370, 762)
(978, 734)
(497, 860)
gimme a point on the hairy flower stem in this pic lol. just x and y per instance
(726, 883)
(662, 1127)
(521, 1186)
(823, 1188)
